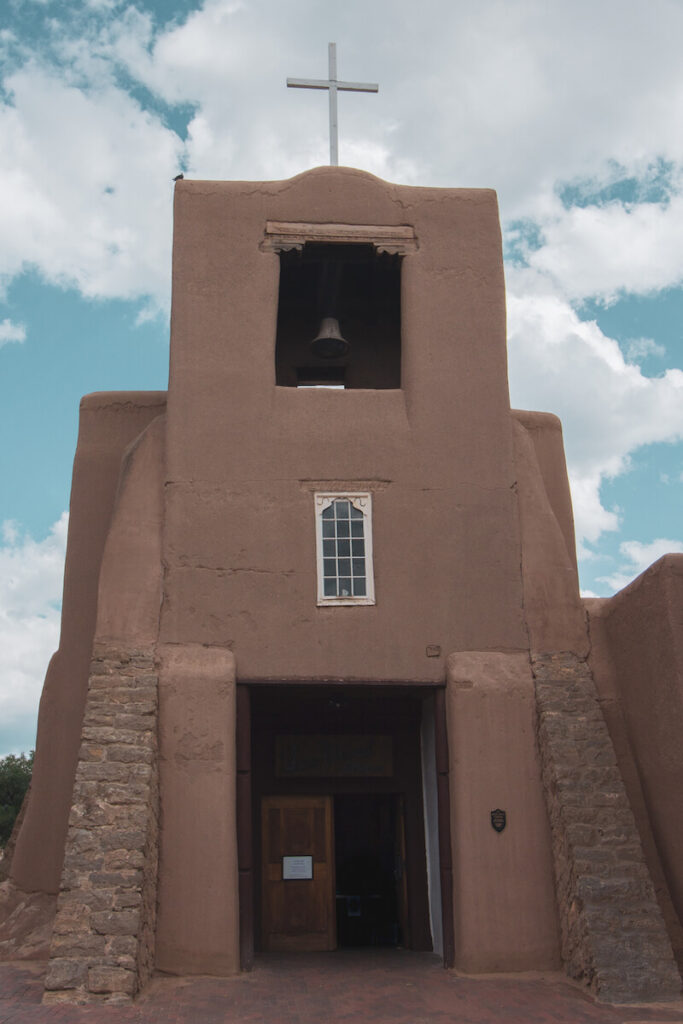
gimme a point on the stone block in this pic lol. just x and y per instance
(129, 754)
(127, 879)
(99, 716)
(64, 973)
(146, 679)
(108, 771)
(123, 839)
(119, 860)
(127, 901)
(111, 979)
(100, 668)
(77, 946)
(119, 946)
(91, 752)
(131, 723)
(135, 791)
(72, 918)
(116, 922)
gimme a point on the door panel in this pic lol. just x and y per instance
(298, 914)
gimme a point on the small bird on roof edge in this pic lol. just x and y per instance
(179, 177)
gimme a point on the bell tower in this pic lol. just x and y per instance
(335, 333)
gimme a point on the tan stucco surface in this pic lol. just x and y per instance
(129, 592)
(244, 455)
(503, 889)
(108, 424)
(553, 610)
(198, 918)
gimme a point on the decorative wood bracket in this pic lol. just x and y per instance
(281, 236)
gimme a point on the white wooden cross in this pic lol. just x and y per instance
(333, 85)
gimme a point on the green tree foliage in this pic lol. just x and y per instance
(15, 775)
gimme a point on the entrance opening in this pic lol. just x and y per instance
(337, 812)
(370, 879)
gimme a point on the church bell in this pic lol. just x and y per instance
(328, 342)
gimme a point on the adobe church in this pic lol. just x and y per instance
(325, 678)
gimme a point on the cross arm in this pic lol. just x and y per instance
(358, 86)
(321, 83)
(307, 83)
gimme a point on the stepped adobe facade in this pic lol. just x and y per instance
(325, 678)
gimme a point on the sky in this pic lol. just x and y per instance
(572, 112)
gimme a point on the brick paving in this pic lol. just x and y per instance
(349, 987)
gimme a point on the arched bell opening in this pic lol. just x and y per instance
(339, 320)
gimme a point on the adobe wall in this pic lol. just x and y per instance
(553, 610)
(245, 456)
(108, 423)
(637, 660)
(103, 942)
(504, 906)
(198, 905)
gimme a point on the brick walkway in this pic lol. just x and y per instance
(386, 987)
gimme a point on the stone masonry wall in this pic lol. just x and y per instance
(613, 934)
(103, 940)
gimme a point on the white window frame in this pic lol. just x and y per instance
(362, 501)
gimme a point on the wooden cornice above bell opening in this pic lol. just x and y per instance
(281, 236)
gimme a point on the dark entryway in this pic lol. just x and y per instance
(370, 870)
(356, 748)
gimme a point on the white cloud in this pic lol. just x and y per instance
(516, 96)
(637, 557)
(87, 188)
(640, 348)
(608, 407)
(606, 250)
(31, 575)
(11, 332)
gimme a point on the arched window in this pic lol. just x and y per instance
(344, 548)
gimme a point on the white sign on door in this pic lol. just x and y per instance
(297, 867)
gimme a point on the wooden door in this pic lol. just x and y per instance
(297, 913)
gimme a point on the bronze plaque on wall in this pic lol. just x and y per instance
(309, 757)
